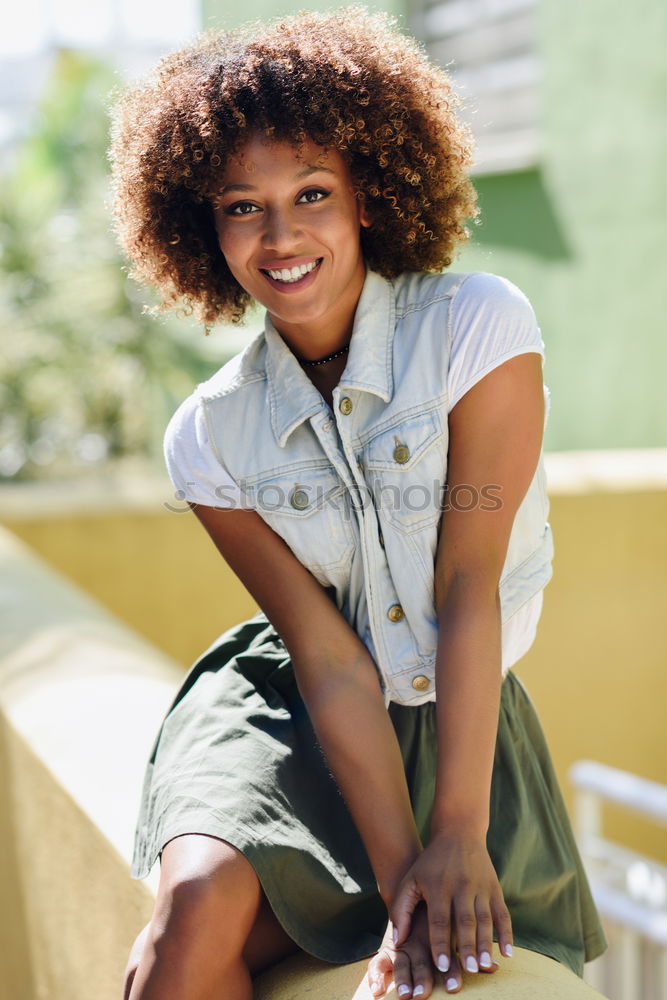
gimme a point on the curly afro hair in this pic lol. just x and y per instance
(347, 80)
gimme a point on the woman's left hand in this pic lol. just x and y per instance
(454, 883)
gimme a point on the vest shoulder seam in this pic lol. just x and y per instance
(412, 307)
(238, 382)
(416, 305)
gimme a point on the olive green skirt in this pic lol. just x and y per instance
(236, 758)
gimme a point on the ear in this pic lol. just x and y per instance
(365, 219)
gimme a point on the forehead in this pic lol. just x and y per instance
(262, 158)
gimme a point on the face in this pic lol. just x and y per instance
(288, 224)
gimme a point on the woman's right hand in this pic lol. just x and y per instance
(411, 966)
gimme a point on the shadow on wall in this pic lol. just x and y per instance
(535, 229)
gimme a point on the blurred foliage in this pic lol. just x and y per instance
(84, 375)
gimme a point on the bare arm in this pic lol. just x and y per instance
(495, 438)
(338, 682)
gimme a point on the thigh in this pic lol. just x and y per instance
(268, 942)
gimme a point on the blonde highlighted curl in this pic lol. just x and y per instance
(346, 80)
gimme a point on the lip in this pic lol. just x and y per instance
(288, 262)
(290, 288)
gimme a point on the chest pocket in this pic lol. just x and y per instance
(310, 509)
(405, 470)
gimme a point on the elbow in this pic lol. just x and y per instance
(325, 691)
(476, 587)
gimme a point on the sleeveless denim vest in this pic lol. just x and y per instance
(356, 490)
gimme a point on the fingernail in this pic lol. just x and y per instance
(395, 934)
(471, 964)
(375, 988)
(452, 984)
(443, 963)
(418, 990)
(508, 950)
(403, 990)
(485, 960)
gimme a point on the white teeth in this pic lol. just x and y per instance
(293, 273)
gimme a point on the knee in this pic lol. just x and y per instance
(206, 893)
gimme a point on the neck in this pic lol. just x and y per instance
(311, 362)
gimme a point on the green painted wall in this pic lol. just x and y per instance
(230, 13)
(584, 232)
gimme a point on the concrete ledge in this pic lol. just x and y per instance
(607, 471)
(84, 692)
(81, 697)
(527, 976)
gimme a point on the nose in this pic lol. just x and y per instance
(281, 231)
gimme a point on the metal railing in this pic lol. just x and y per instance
(630, 889)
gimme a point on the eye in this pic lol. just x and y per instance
(313, 195)
(241, 208)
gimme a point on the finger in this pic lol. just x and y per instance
(484, 933)
(454, 979)
(422, 973)
(380, 970)
(503, 925)
(403, 907)
(440, 935)
(403, 974)
(466, 933)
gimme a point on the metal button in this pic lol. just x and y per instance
(345, 405)
(396, 613)
(421, 683)
(381, 538)
(299, 499)
(401, 454)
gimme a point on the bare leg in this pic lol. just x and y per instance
(134, 958)
(267, 942)
(212, 927)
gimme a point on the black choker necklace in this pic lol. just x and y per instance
(323, 361)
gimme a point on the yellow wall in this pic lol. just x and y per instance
(597, 669)
(158, 571)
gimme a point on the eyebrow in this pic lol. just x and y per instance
(306, 172)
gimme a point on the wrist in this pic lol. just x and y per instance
(389, 881)
(473, 826)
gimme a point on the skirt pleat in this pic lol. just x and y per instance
(236, 757)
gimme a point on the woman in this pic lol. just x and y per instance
(370, 468)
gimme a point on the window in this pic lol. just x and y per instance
(489, 47)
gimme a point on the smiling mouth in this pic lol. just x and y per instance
(292, 275)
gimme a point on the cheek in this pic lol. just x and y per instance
(233, 261)
(338, 227)
(232, 249)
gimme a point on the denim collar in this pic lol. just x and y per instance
(292, 396)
